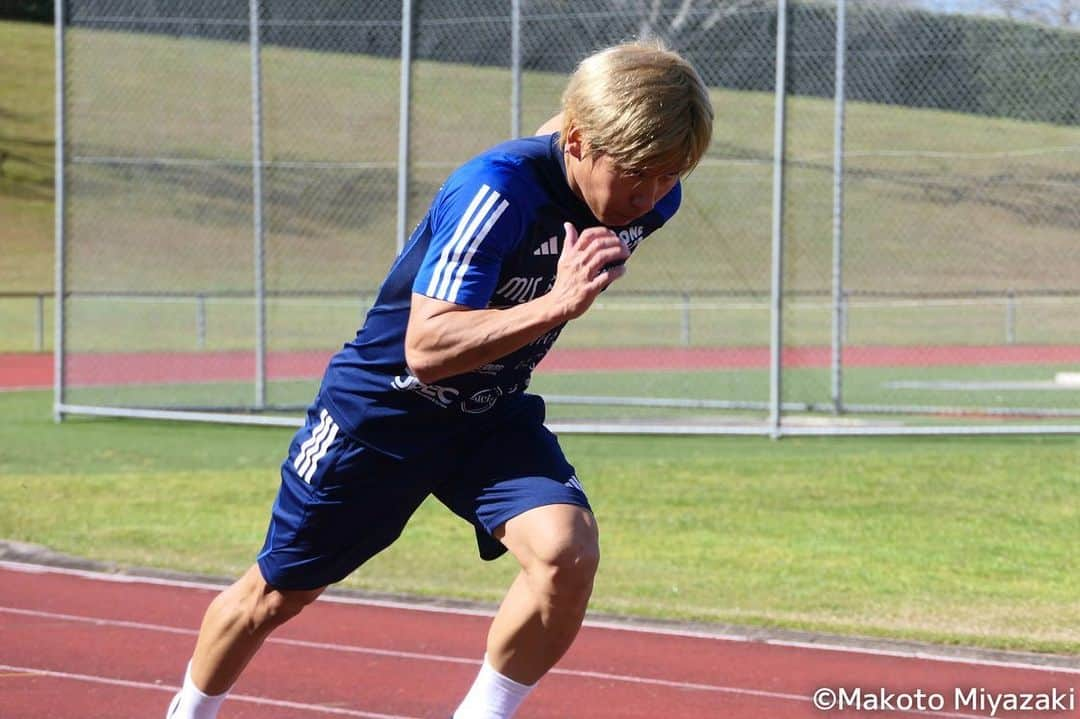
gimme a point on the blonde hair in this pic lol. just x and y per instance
(641, 104)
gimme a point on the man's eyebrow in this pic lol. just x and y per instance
(661, 171)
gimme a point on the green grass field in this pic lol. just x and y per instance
(142, 324)
(966, 541)
(172, 323)
(863, 386)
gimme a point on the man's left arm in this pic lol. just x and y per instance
(552, 125)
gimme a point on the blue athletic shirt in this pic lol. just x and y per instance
(490, 239)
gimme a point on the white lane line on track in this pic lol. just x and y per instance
(349, 648)
(615, 626)
(264, 701)
(392, 653)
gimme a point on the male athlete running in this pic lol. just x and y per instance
(429, 398)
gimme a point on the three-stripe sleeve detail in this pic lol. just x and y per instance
(315, 447)
(481, 215)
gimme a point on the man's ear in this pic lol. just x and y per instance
(575, 143)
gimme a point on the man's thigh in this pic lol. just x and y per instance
(339, 504)
(516, 467)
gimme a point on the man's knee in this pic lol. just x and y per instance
(566, 566)
(277, 607)
(261, 607)
(558, 546)
(571, 570)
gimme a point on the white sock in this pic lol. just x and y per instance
(492, 696)
(191, 703)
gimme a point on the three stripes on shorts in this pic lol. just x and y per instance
(315, 447)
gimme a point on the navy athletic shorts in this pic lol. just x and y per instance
(340, 502)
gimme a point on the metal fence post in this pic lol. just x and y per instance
(777, 272)
(838, 212)
(845, 316)
(403, 123)
(1010, 317)
(257, 195)
(59, 290)
(515, 68)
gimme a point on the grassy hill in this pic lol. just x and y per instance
(935, 200)
(26, 155)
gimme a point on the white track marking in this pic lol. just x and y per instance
(128, 684)
(392, 653)
(615, 626)
(421, 656)
(306, 644)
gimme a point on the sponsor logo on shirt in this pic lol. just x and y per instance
(523, 289)
(632, 236)
(550, 246)
(481, 401)
(442, 396)
(490, 369)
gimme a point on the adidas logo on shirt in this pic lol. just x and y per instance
(550, 247)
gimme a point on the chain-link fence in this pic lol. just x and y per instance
(238, 176)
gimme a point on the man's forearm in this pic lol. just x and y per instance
(451, 342)
(445, 339)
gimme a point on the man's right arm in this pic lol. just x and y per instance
(445, 339)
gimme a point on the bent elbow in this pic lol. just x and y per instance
(425, 375)
(421, 366)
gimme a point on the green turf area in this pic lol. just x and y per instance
(953, 540)
(981, 388)
(186, 323)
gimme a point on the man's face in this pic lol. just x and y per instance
(616, 196)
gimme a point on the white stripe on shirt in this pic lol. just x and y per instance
(466, 239)
(452, 297)
(458, 232)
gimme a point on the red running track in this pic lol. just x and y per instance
(77, 644)
(35, 370)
